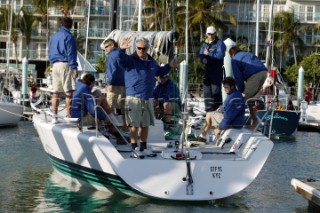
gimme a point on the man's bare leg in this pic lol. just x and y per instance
(253, 115)
(143, 137)
(134, 136)
(55, 103)
(168, 109)
(68, 103)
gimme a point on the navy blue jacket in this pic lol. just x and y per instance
(88, 102)
(115, 70)
(233, 110)
(140, 75)
(245, 64)
(167, 92)
(213, 69)
(63, 48)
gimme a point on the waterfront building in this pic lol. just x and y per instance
(95, 19)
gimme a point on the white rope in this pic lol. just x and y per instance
(16, 114)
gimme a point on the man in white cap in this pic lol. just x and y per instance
(212, 53)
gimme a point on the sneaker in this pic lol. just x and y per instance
(54, 120)
(149, 153)
(137, 153)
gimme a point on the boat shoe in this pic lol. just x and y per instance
(141, 154)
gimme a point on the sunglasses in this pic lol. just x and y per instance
(107, 46)
(141, 48)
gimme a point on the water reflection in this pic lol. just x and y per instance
(61, 195)
(29, 184)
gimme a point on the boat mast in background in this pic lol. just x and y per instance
(269, 42)
(9, 37)
(114, 7)
(140, 16)
(257, 27)
(87, 33)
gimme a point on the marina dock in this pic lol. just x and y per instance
(309, 188)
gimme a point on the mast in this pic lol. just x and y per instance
(87, 33)
(114, 15)
(9, 38)
(269, 35)
(186, 34)
(257, 27)
(140, 16)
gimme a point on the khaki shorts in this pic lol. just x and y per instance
(138, 112)
(88, 119)
(254, 85)
(62, 80)
(216, 118)
(116, 98)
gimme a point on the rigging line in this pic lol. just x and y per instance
(47, 34)
(238, 15)
(135, 13)
(162, 15)
(12, 113)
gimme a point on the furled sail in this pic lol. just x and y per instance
(161, 42)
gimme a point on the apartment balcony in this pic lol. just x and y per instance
(40, 55)
(76, 11)
(93, 33)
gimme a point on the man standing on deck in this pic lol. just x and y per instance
(212, 54)
(140, 72)
(63, 59)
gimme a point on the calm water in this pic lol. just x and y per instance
(29, 184)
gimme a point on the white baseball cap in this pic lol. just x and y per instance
(211, 30)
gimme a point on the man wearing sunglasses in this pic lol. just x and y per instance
(140, 72)
(212, 54)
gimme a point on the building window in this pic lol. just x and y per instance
(309, 13)
(309, 37)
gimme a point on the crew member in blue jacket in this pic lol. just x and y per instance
(233, 110)
(212, 54)
(63, 59)
(115, 78)
(167, 98)
(85, 86)
(250, 74)
(140, 72)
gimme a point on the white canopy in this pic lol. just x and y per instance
(84, 65)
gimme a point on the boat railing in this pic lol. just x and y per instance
(96, 108)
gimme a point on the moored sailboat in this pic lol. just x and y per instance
(177, 171)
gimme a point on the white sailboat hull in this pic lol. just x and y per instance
(98, 161)
(313, 113)
(10, 113)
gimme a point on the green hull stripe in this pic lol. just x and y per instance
(91, 176)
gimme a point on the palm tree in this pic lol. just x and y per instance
(66, 6)
(4, 14)
(201, 15)
(284, 21)
(26, 23)
(41, 7)
(158, 15)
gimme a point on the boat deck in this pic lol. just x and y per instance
(309, 188)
